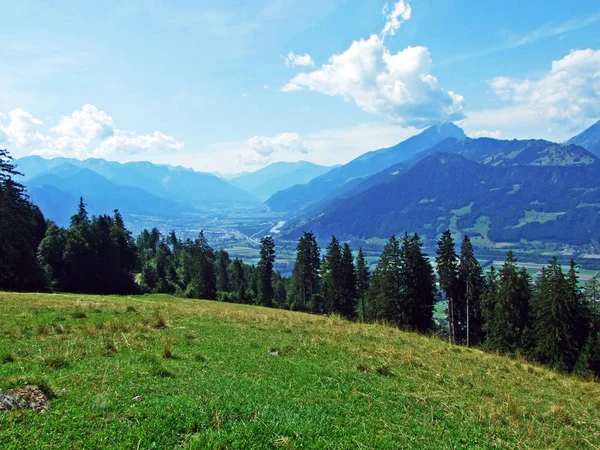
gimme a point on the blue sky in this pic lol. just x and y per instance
(233, 85)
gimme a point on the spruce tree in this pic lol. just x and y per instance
(508, 320)
(333, 278)
(22, 228)
(419, 289)
(472, 286)
(559, 321)
(305, 280)
(222, 270)
(363, 279)
(348, 305)
(238, 281)
(385, 293)
(265, 271)
(447, 269)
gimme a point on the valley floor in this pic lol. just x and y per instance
(160, 372)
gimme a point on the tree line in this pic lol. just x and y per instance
(552, 320)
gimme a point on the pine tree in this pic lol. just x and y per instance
(419, 287)
(265, 271)
(198, 271)
(333, 278)
(559, 320)
(447, 269)
(363, 279)
(305, 276)
(348, 304)
(222, 269)
(385, 293)
(508, 321)
(238, 281)
(472, 286)
(22, 228)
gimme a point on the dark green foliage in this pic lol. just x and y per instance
(91, 256)
(222, 270)
(199, 269)
(403, 288)
(306, 274)
(265, 271)
(22, 227)
(349, 294)
(447, 269)
(507, 308)
(471, 288)
(363, 280)
(560, 317)
(332, 275)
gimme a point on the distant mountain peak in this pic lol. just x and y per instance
(588, 139)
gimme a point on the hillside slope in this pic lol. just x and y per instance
(342, 179)
(588, 139)
(490, 203)
(248, 377)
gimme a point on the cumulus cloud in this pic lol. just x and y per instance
(259, 150)
(292, 60)
(497, 134)
(90, 123)
(22, 129)
(395, 17)
(397, 85)
(569, 94)
(89, 132)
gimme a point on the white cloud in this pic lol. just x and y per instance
(259, 150)
(560, 102)
(395, 17)
(292, 60)
(22, 129)
(497, 134)
(90, 123)
(399, 86)
(328, 147)
(266, 87)
(568, 94)
(89, 132)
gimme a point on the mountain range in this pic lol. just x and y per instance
(341, 179)
(277, 176)
(589, 139)
(494, 190)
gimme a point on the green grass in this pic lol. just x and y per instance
(159, 372)
(532, 216)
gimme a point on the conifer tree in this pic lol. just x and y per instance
(385, 292)
(305, 276)
(419, 287)
(472, 286)
(265, 271)
(363, 279)
(508, 321)
(22, 228)
(559, 324)
(348, 298)
(238, 281)
(333, 278)
(447, 269)
(222, 262)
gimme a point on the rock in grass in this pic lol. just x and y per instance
(25, 397)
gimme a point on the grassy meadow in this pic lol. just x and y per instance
(160, 372)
